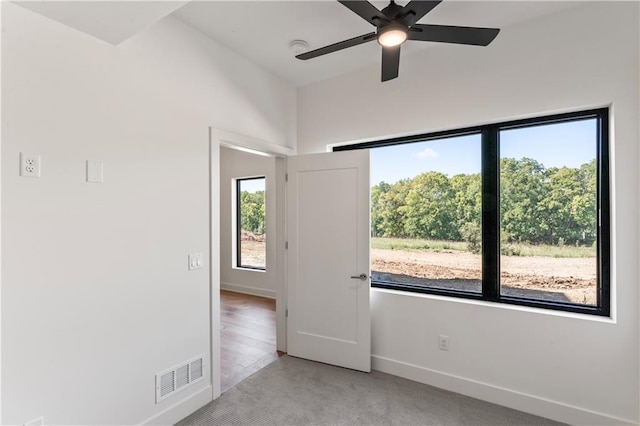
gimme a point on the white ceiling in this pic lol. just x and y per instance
(262, 30)
(110, 21)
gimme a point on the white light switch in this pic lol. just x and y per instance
(196, 261)
(94, 171)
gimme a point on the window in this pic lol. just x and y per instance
(250, 223)
(514, 212)
(426, 214)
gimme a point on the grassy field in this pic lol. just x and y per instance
(525, 250)
(416, 244)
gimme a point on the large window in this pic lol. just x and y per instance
(250, 223)
(513, 212)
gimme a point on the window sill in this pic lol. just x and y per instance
(246, 268)
(496, 305)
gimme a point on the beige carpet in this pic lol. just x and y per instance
(292, 391)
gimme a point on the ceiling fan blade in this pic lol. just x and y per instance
(366, 11)
(337, 46)
(453, 34)
(415, 10)
(390, 62)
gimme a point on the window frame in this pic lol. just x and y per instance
(238, 234)
(490, 175)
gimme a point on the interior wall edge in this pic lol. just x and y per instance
(214, 264)
(281, 255)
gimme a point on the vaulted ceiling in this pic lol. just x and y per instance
(262, 30)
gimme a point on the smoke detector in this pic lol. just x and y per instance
(299, 46)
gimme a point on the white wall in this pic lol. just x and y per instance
(237, 164)
(572, 368)
(96, 297)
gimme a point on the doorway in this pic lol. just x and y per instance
(248, 278)
(223, 142)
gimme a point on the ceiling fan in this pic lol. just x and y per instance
(396, 24)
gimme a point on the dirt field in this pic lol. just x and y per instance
(547, 278)
(253, 251)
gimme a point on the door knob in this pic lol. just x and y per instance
(359, 277)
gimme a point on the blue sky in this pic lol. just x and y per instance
(555, 145)
(252, 185)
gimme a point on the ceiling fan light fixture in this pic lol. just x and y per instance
(396, 24)
(392, 35)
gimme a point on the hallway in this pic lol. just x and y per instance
(248, 336)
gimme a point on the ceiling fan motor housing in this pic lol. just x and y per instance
(392, 10)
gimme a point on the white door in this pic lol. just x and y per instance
(328, 258)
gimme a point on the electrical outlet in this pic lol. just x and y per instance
(29, 165)
(443, 342)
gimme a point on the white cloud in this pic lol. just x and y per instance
(427, 153)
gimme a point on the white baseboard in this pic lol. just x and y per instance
(181, 409)
(506, 397)
(254, 291)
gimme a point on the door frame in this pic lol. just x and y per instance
(223, 138)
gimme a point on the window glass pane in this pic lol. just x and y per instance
(426, 214)
(548, 188)
(251, 219)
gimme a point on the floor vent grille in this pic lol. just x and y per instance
(178, 378)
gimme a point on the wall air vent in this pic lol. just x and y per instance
(179, 377)
(167, 383)
(196, 369)
(182, 376)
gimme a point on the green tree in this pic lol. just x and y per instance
(392, 205)
(572, 203)
(523, 189)
(537, 205)
(467, 191)
(430, 208)
(584, 205)
(252, 212)
(564, 187)
(377, 201)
